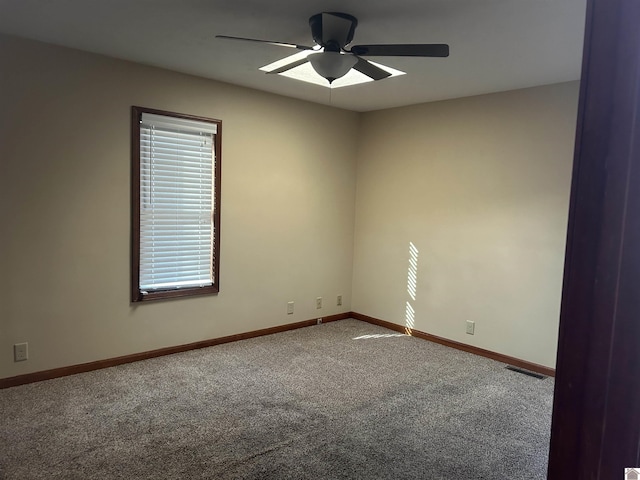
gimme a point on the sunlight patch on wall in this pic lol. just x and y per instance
(412, 288)
(409, 319)
(412, 274)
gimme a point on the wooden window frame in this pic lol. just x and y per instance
(136, 294)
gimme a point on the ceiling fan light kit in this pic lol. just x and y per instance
(332, 65)
(332, 32)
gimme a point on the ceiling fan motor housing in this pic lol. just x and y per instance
(333, 30)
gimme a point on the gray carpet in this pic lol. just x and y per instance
(344, 400)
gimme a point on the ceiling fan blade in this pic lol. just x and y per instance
(270, 42)
(403, 50)
(289, 66)
(370, 70)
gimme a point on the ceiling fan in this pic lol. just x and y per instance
(330, 58)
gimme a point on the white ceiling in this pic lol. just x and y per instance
(496, 45)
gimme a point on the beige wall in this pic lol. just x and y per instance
(287, 208)
(480, 186)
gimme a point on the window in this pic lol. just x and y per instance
(175, 205)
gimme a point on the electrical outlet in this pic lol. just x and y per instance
(20, 352)
(289, 308)
(318, 321)
(339, 300)
(319, 302)
(471, 327)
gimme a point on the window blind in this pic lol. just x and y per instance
(176, 202)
